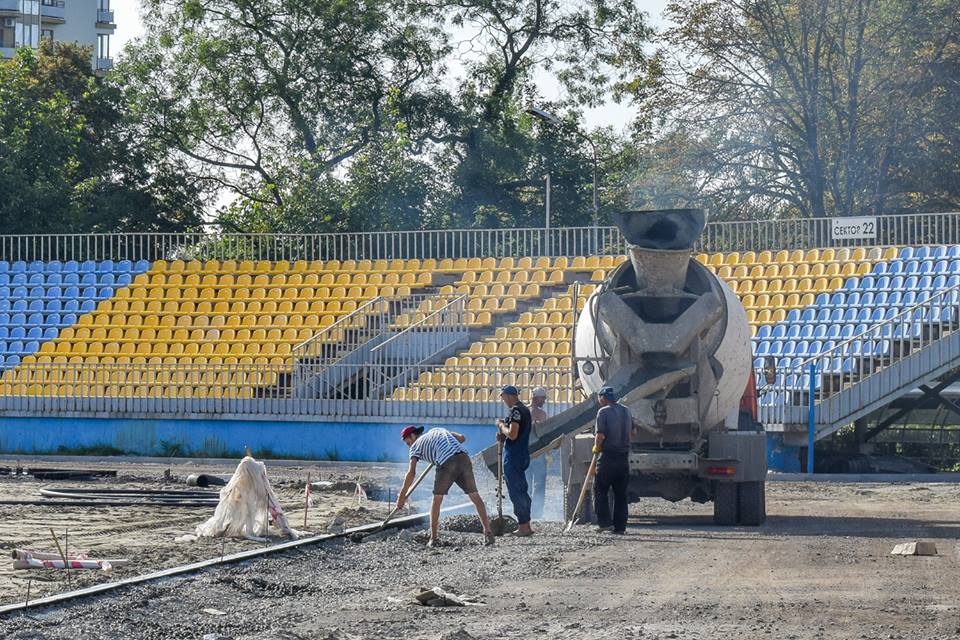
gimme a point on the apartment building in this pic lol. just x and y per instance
(88, 22)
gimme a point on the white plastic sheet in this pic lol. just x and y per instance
(247, 505)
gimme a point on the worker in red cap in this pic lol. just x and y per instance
(445, 449)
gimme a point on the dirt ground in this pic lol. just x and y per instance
(819, 568)
(146, 534)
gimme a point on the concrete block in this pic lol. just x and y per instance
(915, 549)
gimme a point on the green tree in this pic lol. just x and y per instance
(71, 160)
(812, 107)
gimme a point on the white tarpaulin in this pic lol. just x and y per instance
(247, 505)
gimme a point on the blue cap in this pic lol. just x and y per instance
(608, 393)
(510, 390)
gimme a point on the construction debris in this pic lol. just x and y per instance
(440, 597)
(205, 480)
(28, 559)
(914, 549)
(459, 634)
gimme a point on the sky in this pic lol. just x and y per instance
(127, 14)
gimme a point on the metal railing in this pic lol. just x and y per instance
(848, 364)
(264, 391)
(387, 340)
(759, 235)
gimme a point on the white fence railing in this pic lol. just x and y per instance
(265, 391)
(804, 233)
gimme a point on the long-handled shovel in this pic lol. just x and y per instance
(357, 537)
(583, 492)
(501, 524)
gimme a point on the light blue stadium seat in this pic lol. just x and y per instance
(4, 279)
(89, 292)
(912, 267)
(36, 305)
(72, 292)
(4, 266)
(896, 267)
(880, 269)
(849, 316)
(68, 319)
(18, 267)
(123, 279)
(88, 305)
(763, 331)
(72, 304)
(124, 266)
(107, 280)
(925, 282)
(820, 331)
(35, 320)
(926, 267)
(938, 252)
(909, 297)
(788, 348)
(779, 331)
(806, 331)
(54, 293)
(37, 266)
(793, 332)
(762, 348)
(953, 251)
(823, 315)
(104, 293)
(866, 299)
(144, 265)
(775, 349)
(105, 266)
(53, 266)
(20, 304)
(921, 253)
(793, 315)
(89, 279)
(88, 266)
(15, 347)
(852, 284)
(868, 283)
(37, 293)
(941, 267)
(71, 266)
(808, 315)
(821, 300)
(839, 299)
(19, 279)
(906, 253)
(939, 283)
(34, 333)
(71, 279)
(11, 360)
(50, 333)
(54, 306)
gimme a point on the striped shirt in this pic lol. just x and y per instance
(437, 446)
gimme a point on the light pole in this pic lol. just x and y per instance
(554, 121)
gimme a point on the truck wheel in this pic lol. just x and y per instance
(752, 500)
(725, 504)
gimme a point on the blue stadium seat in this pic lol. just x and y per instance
(31, 347)
(54, 305)
(18, 279)
(11, 360)
(793, 315)
(939, 283)
(18, 267)
(806, 331)
(89, 279)
(72, 292)
(876, 314)
(868, 283)
(34, 333)
(124, 266)
(104, 293)
(863, 315)
(808, 315)
(846, 331)
(36, 279)
(4, 266)
(144, 265)
(926, 267)
(36, 305)
(786, 348)
(836, 315)
(775, 349)
(763, 331)
(107, 279)
(72, 304)
(822, 300)
(938, 252)
(35, 320)
(71, 266)
(53, 266)
(71, 279)
(68, 319)
(941, 267)
(953, 251)
(37, 266)
(849, 316)
(912, 267)
(820, 331)
(54, 293)
(20, 304)
(123, 279)
(953, 281)
(866, 299)
(921, 253)
(89, 292)
(823, 315)
(4, 279)
(38, 293)
(909, 297)
(779, 331)
(50, 333)
(88, 266)
(896, 267)
(15, 347)
(4, 319)
(88, 305)
(880, 269)
(925, 282)
(894, 298)
(793, 332)
(852, 284)
(106, 266)
(762, 348)
(838, 299)
(906, 253)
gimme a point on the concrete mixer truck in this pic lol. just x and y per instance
(674, 342)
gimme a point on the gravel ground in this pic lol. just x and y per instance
(820, 568)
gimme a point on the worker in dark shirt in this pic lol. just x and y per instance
(612, 443)
(514, 432)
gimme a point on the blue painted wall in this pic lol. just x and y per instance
(782, 457)
(356, 441)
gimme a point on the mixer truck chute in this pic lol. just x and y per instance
(674, 342)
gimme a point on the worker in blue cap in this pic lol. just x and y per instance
(612, 443)
(514, 432)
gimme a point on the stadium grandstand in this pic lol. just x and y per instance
(222, 341)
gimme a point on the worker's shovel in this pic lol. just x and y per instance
(358, 537)
(501, 524)
(591, 470)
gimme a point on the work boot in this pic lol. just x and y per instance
(488, 538)
(433, 543)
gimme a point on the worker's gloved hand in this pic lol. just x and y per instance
(596, 450)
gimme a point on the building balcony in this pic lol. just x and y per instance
(105, 17)
(52, 11)
(11, 6)
(104, 64)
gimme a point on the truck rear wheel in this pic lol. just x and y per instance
(752, 503)
(725, 504)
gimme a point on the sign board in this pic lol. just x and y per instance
(860, 228)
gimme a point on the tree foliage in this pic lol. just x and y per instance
(810, 107)
(71, 161)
